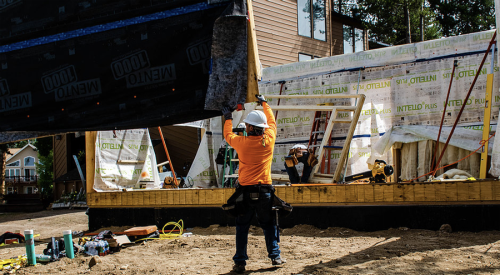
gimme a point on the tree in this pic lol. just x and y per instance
(44, 168)
(386, 20)
(464, 16)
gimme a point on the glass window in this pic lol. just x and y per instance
(17, 172)
(7, 173)
(348, 43)
(10, 190)
(354, 39)
(29, 161)
(15, 163)
(315, 9)
(359, 40)
(304, 17)
(304, 57)
(319, 26)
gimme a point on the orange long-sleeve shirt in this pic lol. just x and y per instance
(255, 159)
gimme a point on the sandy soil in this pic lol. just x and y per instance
(308, 250)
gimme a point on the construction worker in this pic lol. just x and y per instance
(255, 153)
(300, 153)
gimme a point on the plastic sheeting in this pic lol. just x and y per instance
(125, 159)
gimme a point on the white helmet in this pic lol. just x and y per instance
(241, 126)
(257, 118)
(299, 146)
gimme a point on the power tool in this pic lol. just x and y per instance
(378, 173)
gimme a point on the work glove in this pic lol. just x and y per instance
(260, 99)
(227, 112)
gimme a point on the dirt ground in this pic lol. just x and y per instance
(308, 250)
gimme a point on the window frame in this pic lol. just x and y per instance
(11, 164)
(29, 157)
(311, 21)
(352, 32)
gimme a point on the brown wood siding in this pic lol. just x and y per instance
(60, 152)
(337, 38)
(277, 33)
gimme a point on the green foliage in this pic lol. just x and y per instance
(45, 175)
(72, 197)
(43, 145)
(386, 21)
(464, 16)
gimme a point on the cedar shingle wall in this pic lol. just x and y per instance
(277, 34)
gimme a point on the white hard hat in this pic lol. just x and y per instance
(299, 146)
(257, 118)
(241, 125)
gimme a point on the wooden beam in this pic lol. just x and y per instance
(253, 72)
(90, 138)
(310, 108)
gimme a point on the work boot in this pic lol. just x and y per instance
(278, 261)
(238, 268)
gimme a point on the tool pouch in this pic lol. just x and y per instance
(235, 205)
(284, 208)
(312, 159)
(291, 161)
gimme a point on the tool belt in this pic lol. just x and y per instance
(299, 154)
(237, 204)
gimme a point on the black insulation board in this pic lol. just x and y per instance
(138, 72)
(361, 218)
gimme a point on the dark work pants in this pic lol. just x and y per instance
(262, 208)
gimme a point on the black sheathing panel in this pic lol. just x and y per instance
(360, 218)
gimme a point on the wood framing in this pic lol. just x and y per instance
(431, 193)
(360, 99)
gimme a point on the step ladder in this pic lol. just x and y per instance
(231, 157)
(326, 141)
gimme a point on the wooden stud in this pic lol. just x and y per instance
(90, 138)
(331, 194)
(360, 189)
(176, 197)
(419, 192)
(164, 197)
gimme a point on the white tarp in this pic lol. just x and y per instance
(124, 159)
(463, 137)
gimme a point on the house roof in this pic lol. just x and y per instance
(16, 151)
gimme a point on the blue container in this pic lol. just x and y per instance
(68, 244)
(30, 247)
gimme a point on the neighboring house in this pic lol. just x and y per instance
(20, 170)
(286, 33)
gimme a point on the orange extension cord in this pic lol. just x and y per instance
(482, 142)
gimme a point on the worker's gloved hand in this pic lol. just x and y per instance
(227, 112)
(260, 99)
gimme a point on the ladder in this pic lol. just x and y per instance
(229, 156)
(315, 132)
(355, 111)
